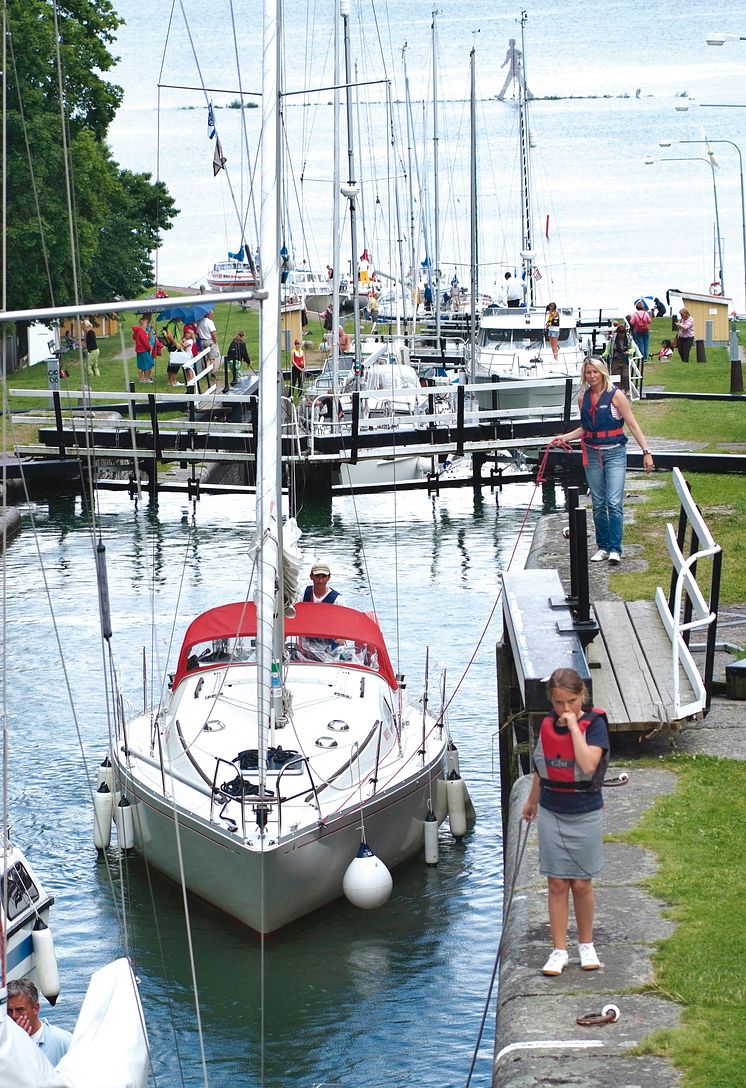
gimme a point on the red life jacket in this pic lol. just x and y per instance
(554, 756)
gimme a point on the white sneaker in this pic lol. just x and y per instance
(615, 558)
(557, 962)
(589, 961)
(600, 555)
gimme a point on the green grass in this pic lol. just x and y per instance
(712, 427)
(698, 836)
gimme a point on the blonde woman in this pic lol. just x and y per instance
(684, 334)
(604, 411)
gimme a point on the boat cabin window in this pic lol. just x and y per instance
(21, 890)
(221, 651)
(517, 337)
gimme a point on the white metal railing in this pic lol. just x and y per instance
(686, 584)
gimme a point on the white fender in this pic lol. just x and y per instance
(456, 792)
(431, 839)
(367, 882)
(125, 825)
(105, 773)
(102, 815)
(45, 961)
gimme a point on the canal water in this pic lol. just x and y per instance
(343, 997)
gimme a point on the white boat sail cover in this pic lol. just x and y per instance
(109, 1048)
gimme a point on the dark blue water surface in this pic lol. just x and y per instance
(345, 997)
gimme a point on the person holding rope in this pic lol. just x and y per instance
(604, 410)
(570, 760)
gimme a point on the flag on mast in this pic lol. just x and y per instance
(211, 130)
(218, 159)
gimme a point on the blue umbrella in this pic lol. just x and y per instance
(186, 314)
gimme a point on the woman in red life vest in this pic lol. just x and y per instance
(570, 761)
(298, 361)
(604, 410)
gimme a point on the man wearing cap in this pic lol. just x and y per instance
(320, 592)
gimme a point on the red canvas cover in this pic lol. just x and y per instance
(323, 621)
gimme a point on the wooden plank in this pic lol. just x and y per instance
(606, 693)
(656, 646)
(630, 668)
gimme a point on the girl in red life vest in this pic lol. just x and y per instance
(570, 761)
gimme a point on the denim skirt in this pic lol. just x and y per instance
(571, 844)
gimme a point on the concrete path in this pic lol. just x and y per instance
(537, 1039)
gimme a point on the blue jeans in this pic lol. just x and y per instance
(642, 339)
(605, 472)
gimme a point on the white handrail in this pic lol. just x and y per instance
(686, 583)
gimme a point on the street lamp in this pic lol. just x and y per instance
(667, 143)
(699, 158)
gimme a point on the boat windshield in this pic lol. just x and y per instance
(228, 651)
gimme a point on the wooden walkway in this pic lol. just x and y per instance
(631, 667)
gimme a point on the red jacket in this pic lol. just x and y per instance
(141, 337)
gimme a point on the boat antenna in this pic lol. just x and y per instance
(351, 190)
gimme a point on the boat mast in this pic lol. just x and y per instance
(436, 193)
(269, 464)
(414, 273)
(473, 254)
(351, 191)
(527, 253)
(336, 217)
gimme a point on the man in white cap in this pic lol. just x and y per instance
(320, 592)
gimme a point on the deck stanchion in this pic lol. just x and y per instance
(572, 500)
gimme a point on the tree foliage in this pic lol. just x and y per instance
(78, 224)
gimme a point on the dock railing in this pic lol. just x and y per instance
(685, 609)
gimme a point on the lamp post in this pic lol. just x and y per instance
(667, 143)
(700, 158)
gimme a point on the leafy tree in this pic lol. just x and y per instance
(116, 215)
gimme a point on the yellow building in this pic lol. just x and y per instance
(704, 309)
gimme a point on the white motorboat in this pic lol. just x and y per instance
(232, 275)
(312, 289)
(24, 922)
(512, 347)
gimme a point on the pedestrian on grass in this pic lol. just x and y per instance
(685, 334)
(639, 322)
(619, 350)
(92, 348)
(144, 338)
(570, 761)
(604, 410)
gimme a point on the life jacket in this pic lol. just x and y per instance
(554, 756)
(329, 599)
(599, 426)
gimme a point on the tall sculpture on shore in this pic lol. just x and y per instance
(514, 62)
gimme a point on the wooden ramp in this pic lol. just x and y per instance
(631, 667)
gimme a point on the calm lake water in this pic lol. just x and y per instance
(344, 997)
(609, 86)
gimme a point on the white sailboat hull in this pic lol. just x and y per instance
(268, 889)
(266, 832)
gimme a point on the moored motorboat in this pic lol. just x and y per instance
(231, 275)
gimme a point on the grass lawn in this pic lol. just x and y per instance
(698, 836)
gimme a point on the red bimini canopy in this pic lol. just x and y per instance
(322, 621)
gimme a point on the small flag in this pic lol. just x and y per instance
(218, 159)
(210, 122)
(536, 274)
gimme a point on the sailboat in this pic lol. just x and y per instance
(512, 345)
(284, 767)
